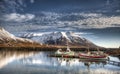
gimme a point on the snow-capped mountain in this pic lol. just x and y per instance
(60, 38)
(10, 39)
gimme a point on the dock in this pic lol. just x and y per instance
(115, 63)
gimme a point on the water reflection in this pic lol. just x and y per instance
(9, 56)
(77, 62)
(30, 62)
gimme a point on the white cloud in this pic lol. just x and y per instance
(32, 1)
(88, 20)
(100, 22)
(15, 17)
(90, 15)
(118, 11)
(91, 20)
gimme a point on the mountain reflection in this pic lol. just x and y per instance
(10, 56)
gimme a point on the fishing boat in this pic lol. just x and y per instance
(95, 55)
(92, 56)
(68, 52)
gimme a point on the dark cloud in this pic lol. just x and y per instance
(24, 6)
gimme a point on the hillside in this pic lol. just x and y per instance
(7, 39)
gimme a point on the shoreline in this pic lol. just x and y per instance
(110, 51)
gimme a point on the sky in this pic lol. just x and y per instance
(99, 20)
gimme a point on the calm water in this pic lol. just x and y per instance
(24, 62)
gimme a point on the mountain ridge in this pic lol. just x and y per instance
(61, 39)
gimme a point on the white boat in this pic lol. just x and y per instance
(68, 52)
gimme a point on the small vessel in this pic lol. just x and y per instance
(92, 56)
(68, 52)
(95, 55)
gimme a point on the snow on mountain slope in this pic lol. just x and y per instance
(6, 37)
(61, 38)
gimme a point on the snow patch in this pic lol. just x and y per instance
(64, 34)
(6, 36)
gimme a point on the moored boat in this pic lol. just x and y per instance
(95, 55)
(92, 56)
(89, 55)
(68, 52)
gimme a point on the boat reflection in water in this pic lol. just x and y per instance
(78, 62)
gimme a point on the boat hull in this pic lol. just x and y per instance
(79, 57)
(93, 57)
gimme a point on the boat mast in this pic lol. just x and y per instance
(98, 49)
(68, 46)
(88, 48)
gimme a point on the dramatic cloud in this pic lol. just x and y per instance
(93, 22)
(78, 20)
(46, 21)
(15, 17)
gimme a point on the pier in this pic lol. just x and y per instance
(114, 63)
